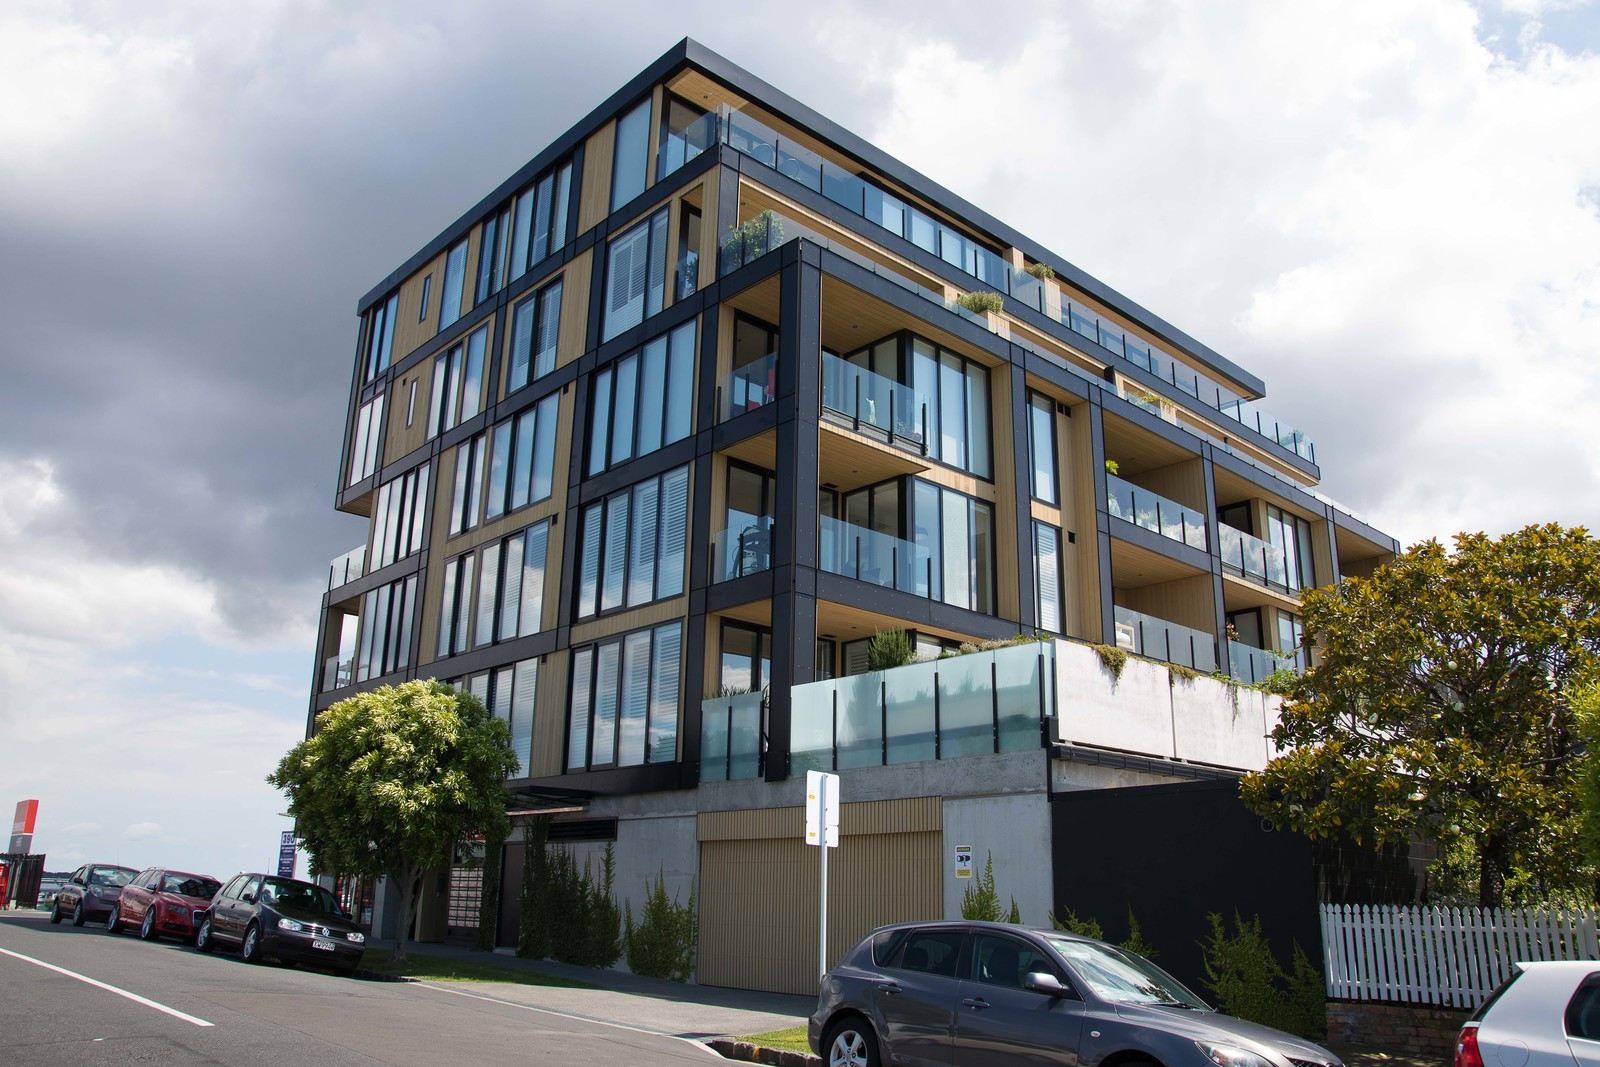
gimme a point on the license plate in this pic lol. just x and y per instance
(326, 946)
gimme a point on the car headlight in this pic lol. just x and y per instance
(1231, 1056)
(291, 926)
(358, 937)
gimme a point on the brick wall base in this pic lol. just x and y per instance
(1400, 1029)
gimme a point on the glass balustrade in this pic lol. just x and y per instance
(1147, 635)
(977, 704)
(745, 549)
(1154, 512)
(348, 567)
(874, 402)
(746, 388)
(1252, 558)
(337, 673)
(868, 556)
(731, 737)
(1252, 665)
(682, 146)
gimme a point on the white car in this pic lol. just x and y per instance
(1545, 1015)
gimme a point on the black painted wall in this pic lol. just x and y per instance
(1174, 854)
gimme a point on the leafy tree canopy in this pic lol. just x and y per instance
(393, 780)
(1441, 707)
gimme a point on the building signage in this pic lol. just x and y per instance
(22, 826)
(963, 861)
(286, 855)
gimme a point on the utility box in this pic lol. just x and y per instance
(19, 879)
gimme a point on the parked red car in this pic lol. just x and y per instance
(163, 903)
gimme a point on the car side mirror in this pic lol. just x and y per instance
(248, 898)
(1046, 983)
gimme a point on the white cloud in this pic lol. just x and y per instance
(142, 831)
(1393, 226)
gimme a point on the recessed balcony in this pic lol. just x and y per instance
(1155, 513)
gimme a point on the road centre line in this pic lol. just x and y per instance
(174, 1012)
(574, 1018)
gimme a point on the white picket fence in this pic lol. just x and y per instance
(1451, 957)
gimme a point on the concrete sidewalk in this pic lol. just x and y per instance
(624, 999)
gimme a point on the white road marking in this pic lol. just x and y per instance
(574, 1018)
(174, 1012)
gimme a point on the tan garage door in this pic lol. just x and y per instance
(759, 880)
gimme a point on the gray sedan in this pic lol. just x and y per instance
(974, 994)
(1544, 1015)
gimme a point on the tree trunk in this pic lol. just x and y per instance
(1491, 873)
(408, 878)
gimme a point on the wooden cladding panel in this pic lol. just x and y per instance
(594, 203)
(572, 339)
(1186, 601)
(408, 332)
(759, 901)
(550, 716)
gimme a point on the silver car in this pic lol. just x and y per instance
(972, 994)
(1544, 1015)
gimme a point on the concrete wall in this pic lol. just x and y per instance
(1014, 830)
(1151, 710)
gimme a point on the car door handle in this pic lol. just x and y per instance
(888, 989)
(975, 1003)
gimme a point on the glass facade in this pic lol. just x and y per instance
(535, 328)
(384, 645)
(636, 275)
(623, 710)
(631, 160)
(398, 514)
(466, 491)
(1048, 579)
(643, 400)
(632, 545)
(1291, 535)
(954, 392)
(452, 293)
(364, 452)
(380, 336)
(457, 383)
(1042, 449)
(522, 458)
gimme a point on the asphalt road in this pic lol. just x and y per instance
(214, 1009)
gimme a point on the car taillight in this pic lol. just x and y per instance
(1467, 1054)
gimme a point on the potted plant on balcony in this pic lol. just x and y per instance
(750, 240)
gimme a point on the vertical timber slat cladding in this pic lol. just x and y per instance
(596, 202)
(759, 882)
(572, 340)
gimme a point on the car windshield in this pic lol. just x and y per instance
(301, 896)
(1114, 974)
(110, 876)
(190, 885)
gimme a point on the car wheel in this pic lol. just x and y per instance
(77, 913)
(114, 920)
(202, 936)
(147, 929)
(250, 951)
(850, 1043)
(55, 911)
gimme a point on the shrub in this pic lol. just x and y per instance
(1071, 924)
(1113, 658)
(1112, 466)
(889, 648)
(533, 932)
(981, 901)
(1247, 980)
(1178, 670)
(981, 301)
(663, 944)
(1136, 941)
(489, 903)
(1042, 271)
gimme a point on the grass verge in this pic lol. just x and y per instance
(446, 969)
(790, 1040)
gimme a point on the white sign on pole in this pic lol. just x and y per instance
(963, 861)
(822, 808)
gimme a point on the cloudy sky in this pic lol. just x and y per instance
(1388, 210)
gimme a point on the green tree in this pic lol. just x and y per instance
(1441, 707)
(393, 780)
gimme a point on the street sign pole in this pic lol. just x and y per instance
(822, 830)
(822, 921)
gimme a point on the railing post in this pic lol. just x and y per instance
(894, 565)
(891, 413)
(855, 423)
(858, 557)
(924, 429)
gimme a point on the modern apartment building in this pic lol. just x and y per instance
(656, 436)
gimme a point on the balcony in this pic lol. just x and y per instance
(868, 556)
(874, 404)
(1253, 665)
(971, 705)
(348, 567)
(731, 737)
(1254, 559)
(746, 388)
(736, 552)
(1155, 513)
(1146, 635)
